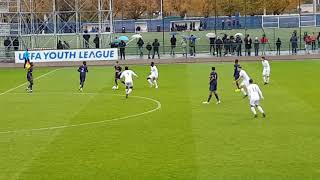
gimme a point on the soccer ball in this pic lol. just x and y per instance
(114, 88)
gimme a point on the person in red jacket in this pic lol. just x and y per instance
(264, 41)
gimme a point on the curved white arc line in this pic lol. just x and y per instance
(91, 123)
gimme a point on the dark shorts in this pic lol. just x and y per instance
(213, 87)
(117, 75)
(82, 78)
(29, 78)
(236, 77)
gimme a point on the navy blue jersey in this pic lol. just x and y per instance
(213, 78)
(29, 74)
(117, 68)
(83, 69)
(236, 72)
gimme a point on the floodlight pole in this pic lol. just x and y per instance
(245, 17)
(162, 9)
(215, 14)
(300, 24)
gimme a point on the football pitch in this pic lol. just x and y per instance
(166, 133)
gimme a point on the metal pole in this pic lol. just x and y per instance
(122, 13)
(300, 23)
(215, 19)
(245, 17)
(162, 9)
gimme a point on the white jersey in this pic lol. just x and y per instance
(154, 72)
(266, 64)
(128, 76)
(243, 74)
(254, 92)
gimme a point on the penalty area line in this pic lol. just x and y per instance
(43, 75)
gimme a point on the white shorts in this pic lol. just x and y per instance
(266, 72)
(245, 83)
(153, 77)
(254, 102)
(129, 84)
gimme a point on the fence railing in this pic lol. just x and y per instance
(203, 51)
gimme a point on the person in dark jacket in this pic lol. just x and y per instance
(7, 46)
(278, 44)
(86, 38)
(96, 41)
(140, 44)
(16, 44)
(149, 48)
(59, 45)
(248, 45)
(219, 45)
(256, 46)
(212, 46)
(122, 47)
(239, 45)
(156, 46)
(227, 46)
(294, 44)
(173, 42)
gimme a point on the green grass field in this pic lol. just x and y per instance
(57, 133)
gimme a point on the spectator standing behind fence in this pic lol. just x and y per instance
(7, 46)
(184, 44)
(219, 44)
(318, 39)
(313, 41)
(248, 45)
(66, 45)
(212, 46)
(193, 45)
(278, 44)
(294, 43)
(239, 45)
(173, 42)
(233, 45)
(16, 44)
(308, 42)
(227, 46)
(156, 46)
(86, 38)
(264, 41)
(59, 45)
(140, 44)
(256, 46)
(149, 49)
(122, 47)
(96, 41)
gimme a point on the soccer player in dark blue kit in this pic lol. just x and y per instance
(118, 70)
(30, 78)
(213, 86)
(83, 70)
(236, 74)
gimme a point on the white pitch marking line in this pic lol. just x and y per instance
(90, 123)
(43, 75)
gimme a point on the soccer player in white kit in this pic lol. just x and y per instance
(255, 95)
(245, 81)
(128, 80)
(153, 77)
(266, 70)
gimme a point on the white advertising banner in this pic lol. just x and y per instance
(68, 55)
